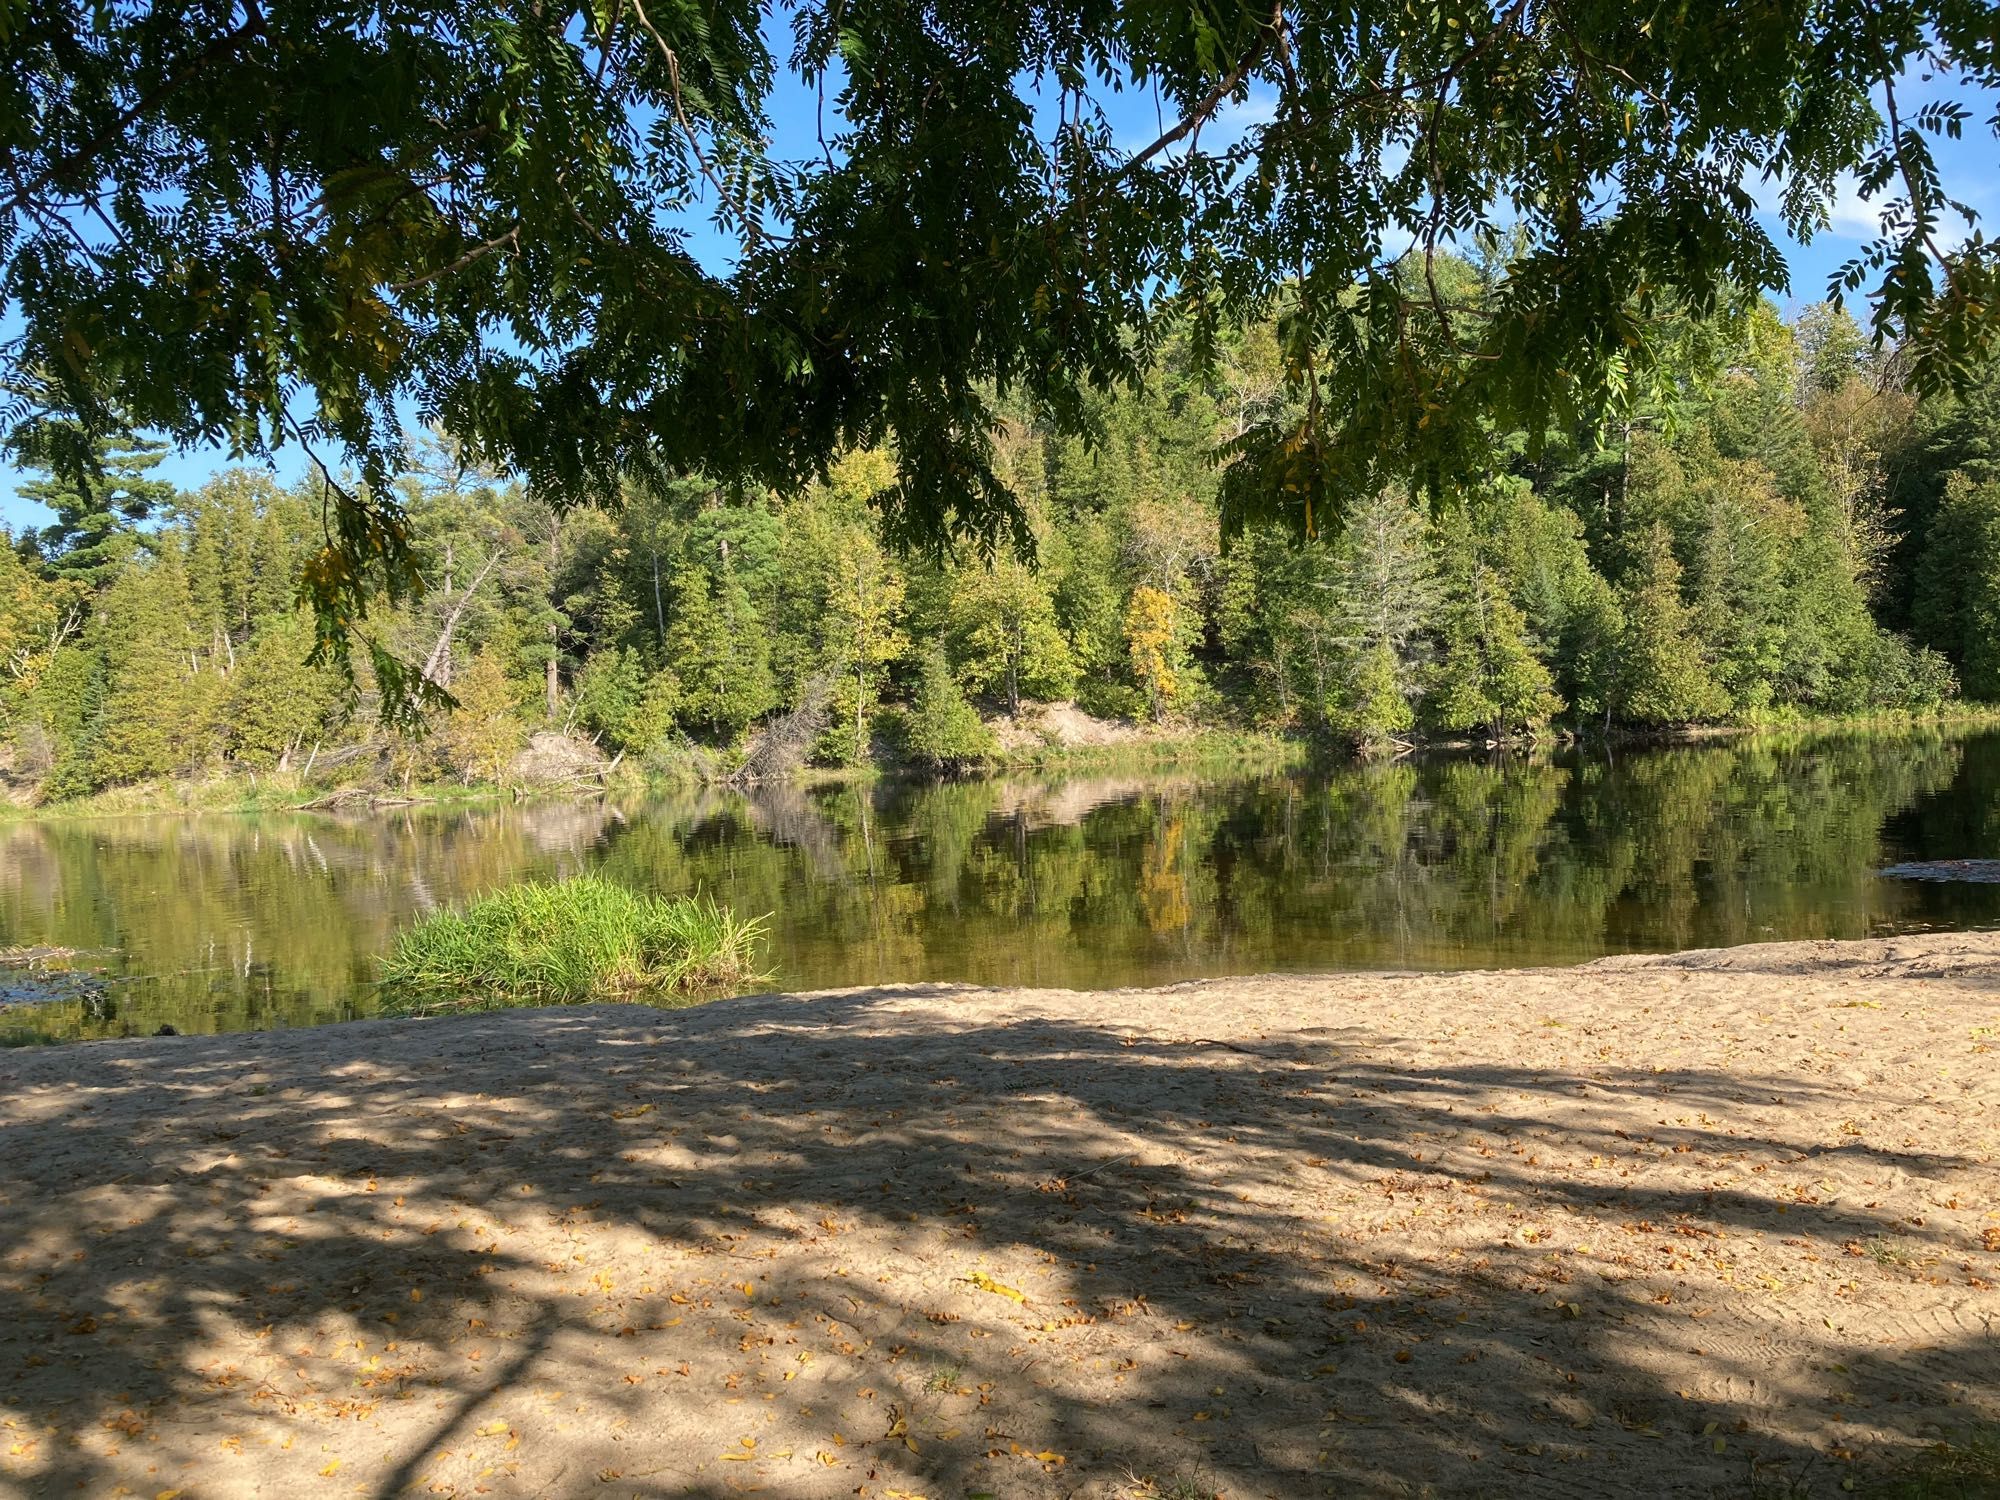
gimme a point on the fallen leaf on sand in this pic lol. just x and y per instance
(986, 1283)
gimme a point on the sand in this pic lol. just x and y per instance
(1691, 1225)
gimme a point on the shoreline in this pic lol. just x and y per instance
(1652, 1226)
(1138, 751)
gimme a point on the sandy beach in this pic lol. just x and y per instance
(1676, 1226)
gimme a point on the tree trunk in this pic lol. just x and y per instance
(437, 667)
(554, 680)
(659, 601)
(554, 683)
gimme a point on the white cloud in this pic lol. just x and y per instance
(1853, 216)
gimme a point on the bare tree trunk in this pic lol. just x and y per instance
(554, 680)
(659, 602)
(437, 666)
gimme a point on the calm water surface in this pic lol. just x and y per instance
(228, 922)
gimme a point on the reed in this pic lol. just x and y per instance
(569, 941)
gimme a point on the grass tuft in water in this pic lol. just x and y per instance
(565, 942)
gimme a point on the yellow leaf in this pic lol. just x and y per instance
(330, 1470)
(1049, 1456)
(493, 1429)
(986, 1283)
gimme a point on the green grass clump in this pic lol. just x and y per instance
(565, 942)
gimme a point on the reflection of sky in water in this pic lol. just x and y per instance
(233, 922)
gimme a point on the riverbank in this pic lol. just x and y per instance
(1045, 739)
(1716, 1224)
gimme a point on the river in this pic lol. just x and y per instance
(238, 922)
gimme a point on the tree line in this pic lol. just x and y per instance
(1789, 533)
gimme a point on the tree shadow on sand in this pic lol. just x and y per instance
(842, 1246)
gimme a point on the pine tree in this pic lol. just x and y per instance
(1485, 673)
(1663, 679)
(95, 532)
(157, 715)
(942, 730)
(720, 654)
(60, 720)
(1736, 586)
(631, 707)
(1957, 597)
(279, 704)
(1377, 708)
(863, 633)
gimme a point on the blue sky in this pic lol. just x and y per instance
(1967, 165)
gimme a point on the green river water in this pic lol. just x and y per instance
(235, 922)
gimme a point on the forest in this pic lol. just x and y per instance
(1791, 536)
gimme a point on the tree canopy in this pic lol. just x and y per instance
(235, 223)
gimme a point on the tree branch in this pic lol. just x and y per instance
(220, 47)
(477, 252)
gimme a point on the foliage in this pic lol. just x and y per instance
(289, 221)
(1737, 554)
(1004, 634)
(1663, 678)
(1485, 675)
(484, 731)
(721, 655)
(567, 942)
(98, 508)
(278, 701)
(631, 707)
(942, 731)
(1153, 636)
(1957, 599)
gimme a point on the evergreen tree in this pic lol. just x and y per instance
(95, 532)
(1485, 673)
(1957, 596)
(720, 655)
(60, 721)
(157, 712)
(942, 730)
(617, 697)
(1663, 678)
(1377, 707)
(280, 704)
(1736, 585)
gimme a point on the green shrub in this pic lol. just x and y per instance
(943, 731)
(564, 942)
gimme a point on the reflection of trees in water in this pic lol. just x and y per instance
(250, 921)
